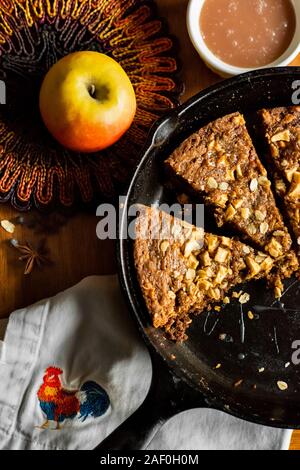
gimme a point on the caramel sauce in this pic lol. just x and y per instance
(248, 33)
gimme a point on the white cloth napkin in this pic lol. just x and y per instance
(85, 335)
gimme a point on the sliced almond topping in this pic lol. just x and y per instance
(250, 315)
(221, 274)
(230, 213)
(204, 284)
(290, 173)
(222, 160)
(226, 241)
(264, 227)
(212, 183)
(267, 264)
(263, 180)
(198, 234)
(8, 226)
(282, 385)
(205, 259)
(296, 177)
(226, 300)
(252, 229)
(221, 255)
(237, 203)
(236, 295)
(222, 200)
(280, 186)
(214, 293)
(284, 135)
(288, 118)
(223, 186)
(253, 266)
(211, 144)
(190, 246)
(239, 170)
(260, 258)
(230, 174)
(164, 246)
(212, 243)
(253, 185)
(246, 249)
(191, 288)
(274, 150)
(294, 192)
(190, 274)
(171, 294)
(193, 262)
(205, 273)
(274, 248)
(259, 215)
(245, 213)
(244, 298)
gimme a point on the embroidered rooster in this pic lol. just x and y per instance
(59, 404)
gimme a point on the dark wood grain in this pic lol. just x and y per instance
(74, 249)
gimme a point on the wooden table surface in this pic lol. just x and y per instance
(74, 249)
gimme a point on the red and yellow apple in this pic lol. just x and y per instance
(87, 101)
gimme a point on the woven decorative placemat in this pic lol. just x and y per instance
(34, 169)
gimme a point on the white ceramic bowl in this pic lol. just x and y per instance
(216, 64)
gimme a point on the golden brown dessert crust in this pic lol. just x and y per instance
(282, 132)
(182, 270)
(220, 163)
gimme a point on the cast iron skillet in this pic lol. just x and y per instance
(184, 376)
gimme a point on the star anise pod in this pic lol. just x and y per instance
(32, 256)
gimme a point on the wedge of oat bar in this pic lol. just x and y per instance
(282, 131)
(220, 163)
(182, 270)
